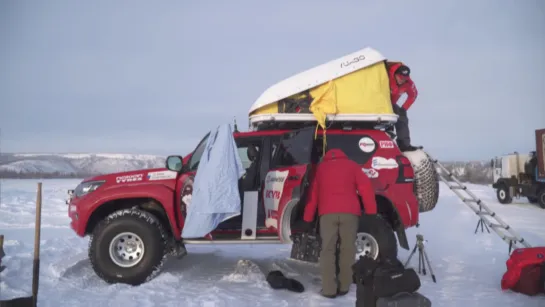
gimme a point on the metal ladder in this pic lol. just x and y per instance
(485, 214)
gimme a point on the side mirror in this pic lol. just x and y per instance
(174, 163)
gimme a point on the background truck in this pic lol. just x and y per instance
(517, 175)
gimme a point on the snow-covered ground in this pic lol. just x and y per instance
(468, 267)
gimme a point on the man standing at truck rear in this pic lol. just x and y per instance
(401, 83)
(334, 194)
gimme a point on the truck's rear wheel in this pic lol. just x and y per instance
(128, 247)
(426, 181)
(504, 195)
(375, 238)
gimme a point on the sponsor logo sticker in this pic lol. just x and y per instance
(129, 178)
(383, 163)
(371, 173)
(386, 144)
(162, 175)
(367, 144)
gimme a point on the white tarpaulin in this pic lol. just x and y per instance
(215, 191)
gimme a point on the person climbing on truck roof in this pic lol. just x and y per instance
(334, 194)
(401, 83)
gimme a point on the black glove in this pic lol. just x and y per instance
(364, 268)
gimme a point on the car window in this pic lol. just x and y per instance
(243, 153)
(197, 154)
(498, 163)
(294, 149)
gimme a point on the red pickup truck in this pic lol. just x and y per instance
(135, 219)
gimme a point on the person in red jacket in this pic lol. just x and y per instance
(401, 83)
(334, 194)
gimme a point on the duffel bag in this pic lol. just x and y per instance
(525, 271)
(393, 278)
(531, 281)
(404, 300)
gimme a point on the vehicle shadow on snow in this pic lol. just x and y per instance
(208, 265)
(81, 275)
(217, 266)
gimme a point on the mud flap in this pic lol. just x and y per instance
(249, 215)
(402, 237)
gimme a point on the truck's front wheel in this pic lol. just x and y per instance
(128, 247)
(504, 195)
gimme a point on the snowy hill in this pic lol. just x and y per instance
(26, 165)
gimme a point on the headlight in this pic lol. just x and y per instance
(87, 187)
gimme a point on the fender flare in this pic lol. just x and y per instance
(160, 193)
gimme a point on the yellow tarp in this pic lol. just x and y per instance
(366, 91)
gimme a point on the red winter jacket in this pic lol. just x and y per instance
(333, 189)
(397, 90)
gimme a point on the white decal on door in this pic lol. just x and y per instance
(274, 185)
(162, 175)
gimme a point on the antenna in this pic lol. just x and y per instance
(236, 126)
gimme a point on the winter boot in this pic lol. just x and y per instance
(277, 280)
(327, 295)
(407, 147)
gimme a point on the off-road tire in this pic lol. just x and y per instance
(426, 181)
(541, 199)
(381, 230)
(504, 195)
(141, 223)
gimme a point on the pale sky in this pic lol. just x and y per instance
(155, 76)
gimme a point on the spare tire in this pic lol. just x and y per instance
(426, 181)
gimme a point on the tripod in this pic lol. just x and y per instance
(421, 256)
(481, 223)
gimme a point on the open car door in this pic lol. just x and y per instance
(286, 180)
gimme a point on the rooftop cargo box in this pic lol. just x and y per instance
(351, 88)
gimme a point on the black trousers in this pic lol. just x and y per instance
(402, 126)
